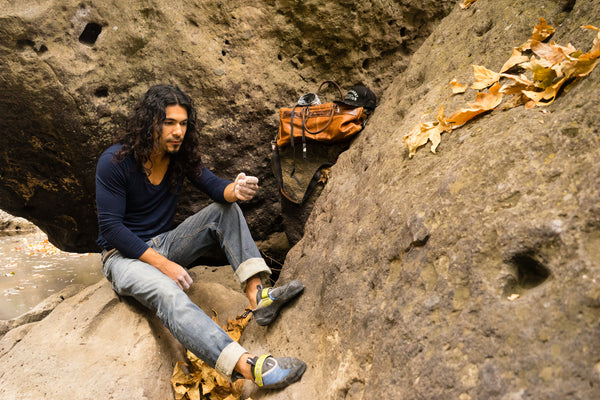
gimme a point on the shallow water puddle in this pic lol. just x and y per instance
(31, 269)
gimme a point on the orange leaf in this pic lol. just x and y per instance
(484, 77)
(423, 132)
(552, 55)
(540, 33)
(547, 96)
(515, 59)
(466, 4)
(483, 102)
(457, 87)
(519, 79)
(581, 66)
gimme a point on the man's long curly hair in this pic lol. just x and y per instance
(148, 116)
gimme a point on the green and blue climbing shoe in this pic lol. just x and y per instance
(270, 300)
(275, 373)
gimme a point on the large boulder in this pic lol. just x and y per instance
(72, 70)
(95, 345)
(467, 274)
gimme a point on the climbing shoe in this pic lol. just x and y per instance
(275, 373)
(270, 300)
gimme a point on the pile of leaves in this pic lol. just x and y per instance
(198, 381)
(535, 74)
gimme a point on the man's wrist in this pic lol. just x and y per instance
(229, 194)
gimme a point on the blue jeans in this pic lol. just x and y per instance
(218, 224)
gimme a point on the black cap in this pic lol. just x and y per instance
(360, 96)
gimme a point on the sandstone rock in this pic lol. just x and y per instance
(11, 225)
(97, 346)
(40, 311)
(409, 263)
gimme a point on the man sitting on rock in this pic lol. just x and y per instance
(138, 180)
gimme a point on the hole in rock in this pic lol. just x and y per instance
(101, 92)
(23, 43)
(90, 34)
(530, 273)
(568, 5)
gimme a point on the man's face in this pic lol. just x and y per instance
(173, 130)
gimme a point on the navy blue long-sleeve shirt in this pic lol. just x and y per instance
(131, 210)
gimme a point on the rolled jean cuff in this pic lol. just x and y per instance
(229, 358)
(251, 267)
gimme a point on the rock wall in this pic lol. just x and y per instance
(412, 265)
(71, 70)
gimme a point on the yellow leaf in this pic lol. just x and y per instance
(457, 87)
(483, 102)
(423, 132)
(543, 77)
(515, 59)
(484, 77)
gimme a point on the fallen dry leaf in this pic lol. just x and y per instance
(540, 33)
(423, 132)
(552, 69)
(484, 77)
(466, 4)
(551, 54)
(542, 76)
(203, 380)
(457, 88)
(516, 58)
(483, 102)
(547, 96)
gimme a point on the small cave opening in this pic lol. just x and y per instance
(530, 272)
(568, 5)
(101, 92)
(90, 34)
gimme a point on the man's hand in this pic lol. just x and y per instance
(173, 270)
(179, 274)
(245, 187)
